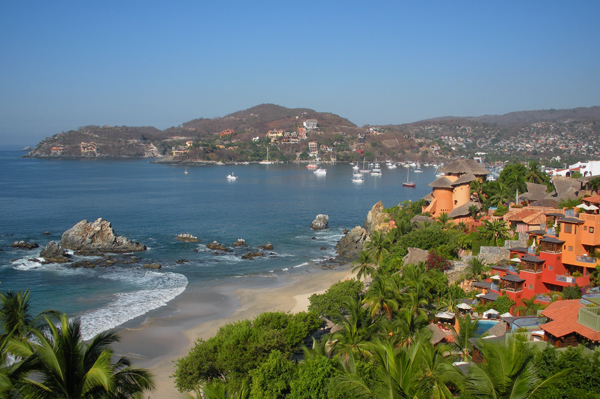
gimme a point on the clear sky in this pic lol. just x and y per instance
(66, 64)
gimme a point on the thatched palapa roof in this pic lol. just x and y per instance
(463, 210)
(465, 179)
(441, 182)
(463, 166)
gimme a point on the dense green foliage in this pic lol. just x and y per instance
(331, 302)
(241, 347)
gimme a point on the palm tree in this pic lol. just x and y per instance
(466, 331)
(501, 194)
(495, 231)
(594, 185)
(474, 211)
(476, 188)
(15, 318)
(476, 267)
(66, 367)
(398, 372)
(380, 298)
(378, 245)
(356, 330)
(529, 307)
(364, 265)
(508, 372)
(445, 221)
(534, 174)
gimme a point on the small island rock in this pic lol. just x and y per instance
(320, 222)
(216, 246)
(53, 252)
(187, 237)
(152, 266)
(266, 247)
(252, 255)
(97, 236)
(24, 245)
(240, 243)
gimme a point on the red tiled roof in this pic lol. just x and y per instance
(564, 316)
(594, 200)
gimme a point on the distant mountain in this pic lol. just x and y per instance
(543, 133)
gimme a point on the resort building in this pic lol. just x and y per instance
(451, 193)
(572, 323)
(552, 262)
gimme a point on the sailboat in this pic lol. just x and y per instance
(267, 162)
(363, 170)
(409, 183)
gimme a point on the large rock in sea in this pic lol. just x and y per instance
(377, 220)
(24, 245)
(97, 236)
(53, 252)
(352, 243)
(320, 222)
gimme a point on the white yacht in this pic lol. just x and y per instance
(320, 171)
(231, 176)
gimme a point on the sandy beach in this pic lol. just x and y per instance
(197, 314)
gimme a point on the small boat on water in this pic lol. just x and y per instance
(312, 166)
(320, 171)
(357, 178)
(231, 176)
(185, 172)
(267, 162)
(364, 170)
(376, 171)
(409, 183)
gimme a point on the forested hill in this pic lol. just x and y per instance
(572, 134)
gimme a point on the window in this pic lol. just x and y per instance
(584, 228)
(549, 267)
(570, 248)
(591, 229)
(530, 286)
(568, 228)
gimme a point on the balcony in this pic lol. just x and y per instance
(586, 259)
(589, 299)
(543, 298)
(590, 317)
(494, 287)
(565, 279)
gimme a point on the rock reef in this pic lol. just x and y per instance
(97, 236)
(320, 222)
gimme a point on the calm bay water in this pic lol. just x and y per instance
(153, 203)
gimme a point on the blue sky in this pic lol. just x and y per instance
(66, 64)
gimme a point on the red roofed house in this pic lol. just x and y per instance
(571, 323)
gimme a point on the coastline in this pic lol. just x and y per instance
(199, 313)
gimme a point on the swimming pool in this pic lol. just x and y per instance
(484, 325)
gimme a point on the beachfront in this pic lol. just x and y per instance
(201, 313)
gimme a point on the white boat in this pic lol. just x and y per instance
(418, 170)
(357, 178)
(267, 162)
(185, 172)
(376, 169)
(355, 167)
(320, 171)
(312, 166)
(363, 170)
(406, 165)
(409, 183)
(231, 176)
(412, 165)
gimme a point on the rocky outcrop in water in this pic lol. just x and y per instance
(53, 252)
(187, 237)
(266, 247)
(252, 255)
(352, 243)
(97, 236)
(377, 220)
(217, 247)
(24, 245)
(240, 243)
(320, 222)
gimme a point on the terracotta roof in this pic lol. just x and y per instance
(564, 315)
(441, 182)
(593, 200)
(526, 215)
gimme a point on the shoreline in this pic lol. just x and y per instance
(158, 342)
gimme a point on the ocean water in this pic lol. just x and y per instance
(153, 203)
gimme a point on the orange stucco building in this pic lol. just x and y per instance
(451, 192)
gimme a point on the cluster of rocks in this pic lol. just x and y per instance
(352, 243)
(54, 253)
(24, 245)
(97, 236)
(240, 243)
(187, 237)
(215, 246)
(252, 255)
